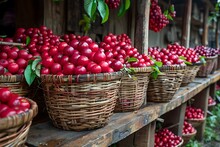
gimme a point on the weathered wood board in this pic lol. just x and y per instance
(120, 126)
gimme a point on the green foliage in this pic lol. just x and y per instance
(32, 70)
(202, 59)
(216, 13)
(95, 8)
(193, 143)
(155, 67)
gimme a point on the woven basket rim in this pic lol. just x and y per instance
(212, 57)
(17, 78)
(190, 134)
(172, 67)
(196, 119)
(181, 143)
(84, 77)
(213, 104)
(142, 69)
(23, 117)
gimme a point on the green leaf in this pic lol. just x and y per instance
(202, 59)
(90, 7)
(37, 70)
(3, 36)
(187, 63)
(169, 17)
(28, 40)
(156, 69)
(29, 75)
(166, 12)
(132, 59)
(154, 75)
(35, 63)
(127, 4)
(158, 64)
(122, 9)
(182, 57)
(172, 8)
(103, 10)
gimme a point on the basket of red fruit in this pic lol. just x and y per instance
(133, 87)
(165, 137)
(12, 65)
(210, 55)
(81, 90)
(194, 116)
(188, 132)
(16, 113)
(163, 88)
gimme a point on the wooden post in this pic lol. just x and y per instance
(201, 101)
(142, 26)
(187, 24)
(212, 90)
(205, 26)
(127, 142)
(217, 35)
(145, 136)
(177, 121)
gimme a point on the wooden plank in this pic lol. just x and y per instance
(142, 25)
(177, 121)
(187, 24)
(205, 27)
(128, 141)
(201, 101)
(121, 125)
(145, 136)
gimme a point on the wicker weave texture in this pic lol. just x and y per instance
(207, 68)
(132, 92)
(15, 139)
(187, 137)
(195, 122)
(165, 86)
(190, 74)
(80, 106)
(16, 83)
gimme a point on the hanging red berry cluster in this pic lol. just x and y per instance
(159, 20)
(113, 4)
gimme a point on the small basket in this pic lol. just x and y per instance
(195, 122)
(14, 129)
(207, 68)
(16, 83)
(187, 137)
(132, 91)
(190, 73)
(81, 102)
(167, 83)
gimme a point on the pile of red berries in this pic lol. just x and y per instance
(206, 51)
(166, 138)
(194, 113)
(188, 128)
(157, 19)
(11, 103)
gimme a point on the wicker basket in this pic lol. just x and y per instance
(195, 122)
(207, 68)
(14, 129)
(81, 102)
(16, 83)
(190, 74)
(165, 86)
(132, 92)
(187, 137)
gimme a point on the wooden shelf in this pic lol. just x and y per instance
(120, 125)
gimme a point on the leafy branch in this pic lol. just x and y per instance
(155, 67)
(216, 13)
(168, 12)
(94, 8)
(32, 70)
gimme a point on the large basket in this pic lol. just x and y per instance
(132, 91)
(190, 74)
(195, 122)
(207, 68)
(187, 137)
(16, 83)
(81, 102)
(167, 83)
(14, 129)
